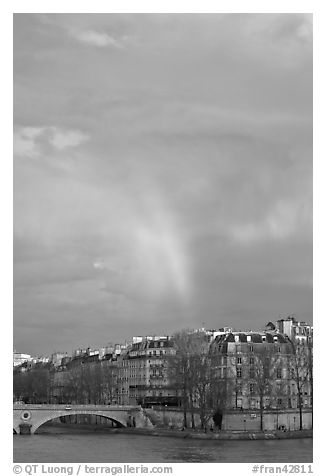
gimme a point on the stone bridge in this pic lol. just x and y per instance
(28, 418)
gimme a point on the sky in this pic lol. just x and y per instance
(162, 175)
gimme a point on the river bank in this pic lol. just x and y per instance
(218, 435)
(188, 433)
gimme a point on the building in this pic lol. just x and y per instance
(258, 371)
(143, 375)
(298, 331)
(246, 370)
(89, 376)
(19, 358)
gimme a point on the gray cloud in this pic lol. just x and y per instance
(95, 38)
(162, 173)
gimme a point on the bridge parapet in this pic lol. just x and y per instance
(35, 406)
(34, 415)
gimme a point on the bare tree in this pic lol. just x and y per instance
(201, 378)
(266, 363)
(109, 376)
(301, 363)
(213, 387)
(191, 374)
(33, 385)
(179, 371)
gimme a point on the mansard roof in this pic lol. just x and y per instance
(269, 337)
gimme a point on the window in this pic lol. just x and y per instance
(251, 388)
(251, 361)
(239, 360)
(239, 373)
(279, 373)
(251, 348)
(252, 372)
(279, 401)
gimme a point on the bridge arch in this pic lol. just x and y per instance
(37, 424)
(27, 418)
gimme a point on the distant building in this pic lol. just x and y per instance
(270, 326)
(88, 376)
(19, 358)
(57, 357)
(41, 360)
(298, 331)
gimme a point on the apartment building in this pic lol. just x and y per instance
(19, 358)
(144, 372)
(298, 331)
(258, 369)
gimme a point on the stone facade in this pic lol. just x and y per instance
(258, 368)
(143, 372)
(297, 331)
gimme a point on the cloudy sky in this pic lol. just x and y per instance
(162, 174)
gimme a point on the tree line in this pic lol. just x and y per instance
(207, 381)
(84, 383)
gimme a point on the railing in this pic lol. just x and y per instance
(77, 406)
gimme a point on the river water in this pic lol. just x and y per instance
(85, 447)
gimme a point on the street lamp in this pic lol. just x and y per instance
(164, 410)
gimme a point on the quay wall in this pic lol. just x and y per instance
(233, 420)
